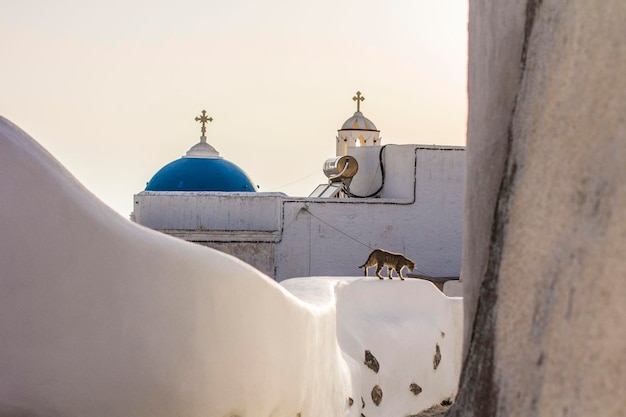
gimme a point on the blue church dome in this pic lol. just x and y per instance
(201, 169)
(201, 174)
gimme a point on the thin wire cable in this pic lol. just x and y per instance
(293, 182)
(306, 209)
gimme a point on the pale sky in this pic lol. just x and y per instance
(111, 88)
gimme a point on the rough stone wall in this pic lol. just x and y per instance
(262, 255)
(544, 267)
(494, 71)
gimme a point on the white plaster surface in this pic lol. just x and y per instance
(220, 211)
(453, 288)
(401, 325)
(103, 317)
(336, 236)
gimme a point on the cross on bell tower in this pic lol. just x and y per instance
(204, 120)
(358, 98)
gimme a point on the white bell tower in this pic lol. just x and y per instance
(358, 130)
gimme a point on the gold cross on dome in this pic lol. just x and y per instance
(204, 120)
(358, 98)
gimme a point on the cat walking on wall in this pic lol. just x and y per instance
(393, 261)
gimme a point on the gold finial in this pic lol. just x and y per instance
(204, 120)
(358, 98)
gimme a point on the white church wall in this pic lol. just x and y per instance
(368, 178)
(335, 236)
(208, 210)
(398, 165)
(262, 255)
(439, 199)
(419, 215)
(400, 173)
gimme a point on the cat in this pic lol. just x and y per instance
(393, 261)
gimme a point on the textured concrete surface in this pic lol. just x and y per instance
(545, 211)
(434, 411)
(493, 74)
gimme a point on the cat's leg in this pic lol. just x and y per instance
(399, 272)
(378, 269)
(389, 271)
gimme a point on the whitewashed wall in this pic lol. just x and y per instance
(419, 214)
(208, 210)
(335, 236)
